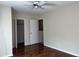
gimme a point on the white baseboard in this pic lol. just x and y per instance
(62, 50)
(9, 55)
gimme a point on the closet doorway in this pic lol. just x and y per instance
(19, 33)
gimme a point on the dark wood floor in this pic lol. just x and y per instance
(38, 50)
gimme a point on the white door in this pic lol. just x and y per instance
(34, 31)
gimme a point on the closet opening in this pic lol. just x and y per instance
(20, 33)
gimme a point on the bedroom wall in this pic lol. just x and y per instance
(61, 29)
(5, 31)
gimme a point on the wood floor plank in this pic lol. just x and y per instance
(38, 50)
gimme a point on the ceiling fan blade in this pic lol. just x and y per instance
(41, 3)
(27, 5)
(52, 4)
(46, 6)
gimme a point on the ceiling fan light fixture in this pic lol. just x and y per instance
(40, 4)
(35, 6)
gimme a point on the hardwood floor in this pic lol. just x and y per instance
(38, 50)
(20, 45)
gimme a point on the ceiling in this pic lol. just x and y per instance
(20, 6)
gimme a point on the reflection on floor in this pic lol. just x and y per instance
(38, 50)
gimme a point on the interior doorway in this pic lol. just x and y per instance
(20, 33)
(40, 25)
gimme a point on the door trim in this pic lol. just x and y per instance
(16, 31)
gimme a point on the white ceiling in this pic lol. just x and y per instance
(19, 6)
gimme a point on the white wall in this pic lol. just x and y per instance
(61, 29)
(5, 31)
(27, 17)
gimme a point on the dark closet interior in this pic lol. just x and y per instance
(40, 25)
(20, 33)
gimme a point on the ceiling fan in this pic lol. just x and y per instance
(39, 4)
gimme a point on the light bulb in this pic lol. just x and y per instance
(36, 7)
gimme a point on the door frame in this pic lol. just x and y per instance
(16, 31)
